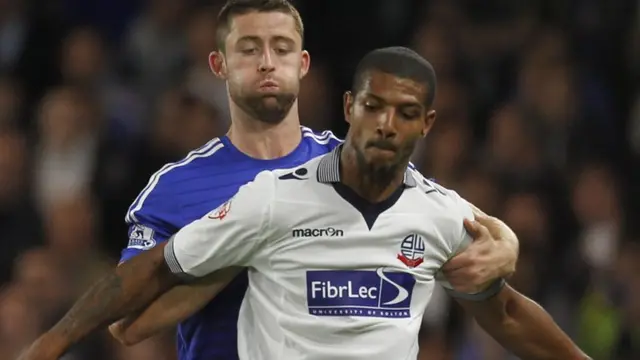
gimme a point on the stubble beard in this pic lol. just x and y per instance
(381, 175)
(262, 107)
(378, 176)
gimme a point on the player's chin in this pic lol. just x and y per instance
(269, 91)
(270, 102)
(379, 155)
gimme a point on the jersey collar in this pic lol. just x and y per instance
(329, 169)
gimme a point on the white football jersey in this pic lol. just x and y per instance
(331, 276)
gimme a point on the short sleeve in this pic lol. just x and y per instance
(231, 235)
(151, 218)
(460, 240)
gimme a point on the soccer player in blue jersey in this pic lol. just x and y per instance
(262, 61)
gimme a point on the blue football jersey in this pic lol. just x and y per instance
(184, 191)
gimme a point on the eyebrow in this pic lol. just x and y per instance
(375, 97)
(378, 98)
(258, 39)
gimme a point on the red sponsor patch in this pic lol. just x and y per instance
(221, 211)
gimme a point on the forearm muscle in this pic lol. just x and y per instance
(128, 288)
(523, 327)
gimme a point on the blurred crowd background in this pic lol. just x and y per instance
(539, 124)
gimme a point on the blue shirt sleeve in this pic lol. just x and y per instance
(152, 219)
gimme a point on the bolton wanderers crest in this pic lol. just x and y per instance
(412, 250)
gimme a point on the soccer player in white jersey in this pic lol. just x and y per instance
(344, 251)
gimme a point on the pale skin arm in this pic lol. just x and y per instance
(481, 263)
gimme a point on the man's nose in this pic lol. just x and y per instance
(266, 63)
(386, 124)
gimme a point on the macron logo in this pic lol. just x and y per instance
(326, 232)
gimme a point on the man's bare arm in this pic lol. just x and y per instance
(523, 327)
(172, 307)
(129, 288)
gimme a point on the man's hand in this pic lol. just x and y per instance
(118, 329)
(492, 254)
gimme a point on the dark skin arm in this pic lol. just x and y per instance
(128, 288)
(172, 307)
(518, 323)
(523, 327)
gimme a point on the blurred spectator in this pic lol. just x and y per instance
(597, 207)
(571, 116)
(72, 236)
(41, 277)
(316, 99)
(69, 122)
(478, 187)
(18, 217)
(627, 346)
(598, 210)
(156, 46)
(11, 103)
(71, 225)
(200, 81)
(433, 42)
(448, 149)
(86, 65)
(525, 213)
(19, 323)
(28, 46)
(201, 123)
(453, 124)
(513, 150)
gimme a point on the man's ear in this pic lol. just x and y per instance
(429, 120)
(305, 63)
(348, 106)
(218, 64)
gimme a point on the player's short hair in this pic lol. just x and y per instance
(234, 8)
(398, 61)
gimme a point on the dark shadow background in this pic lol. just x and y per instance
(539, 124)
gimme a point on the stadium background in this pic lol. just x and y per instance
(539, 124)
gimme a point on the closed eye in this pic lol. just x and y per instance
(410, 116)
(281, 51)
(371, 107)
(249, 51)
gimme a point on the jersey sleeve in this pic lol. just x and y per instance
(150, 219)
(460, 240)
(231, 235)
